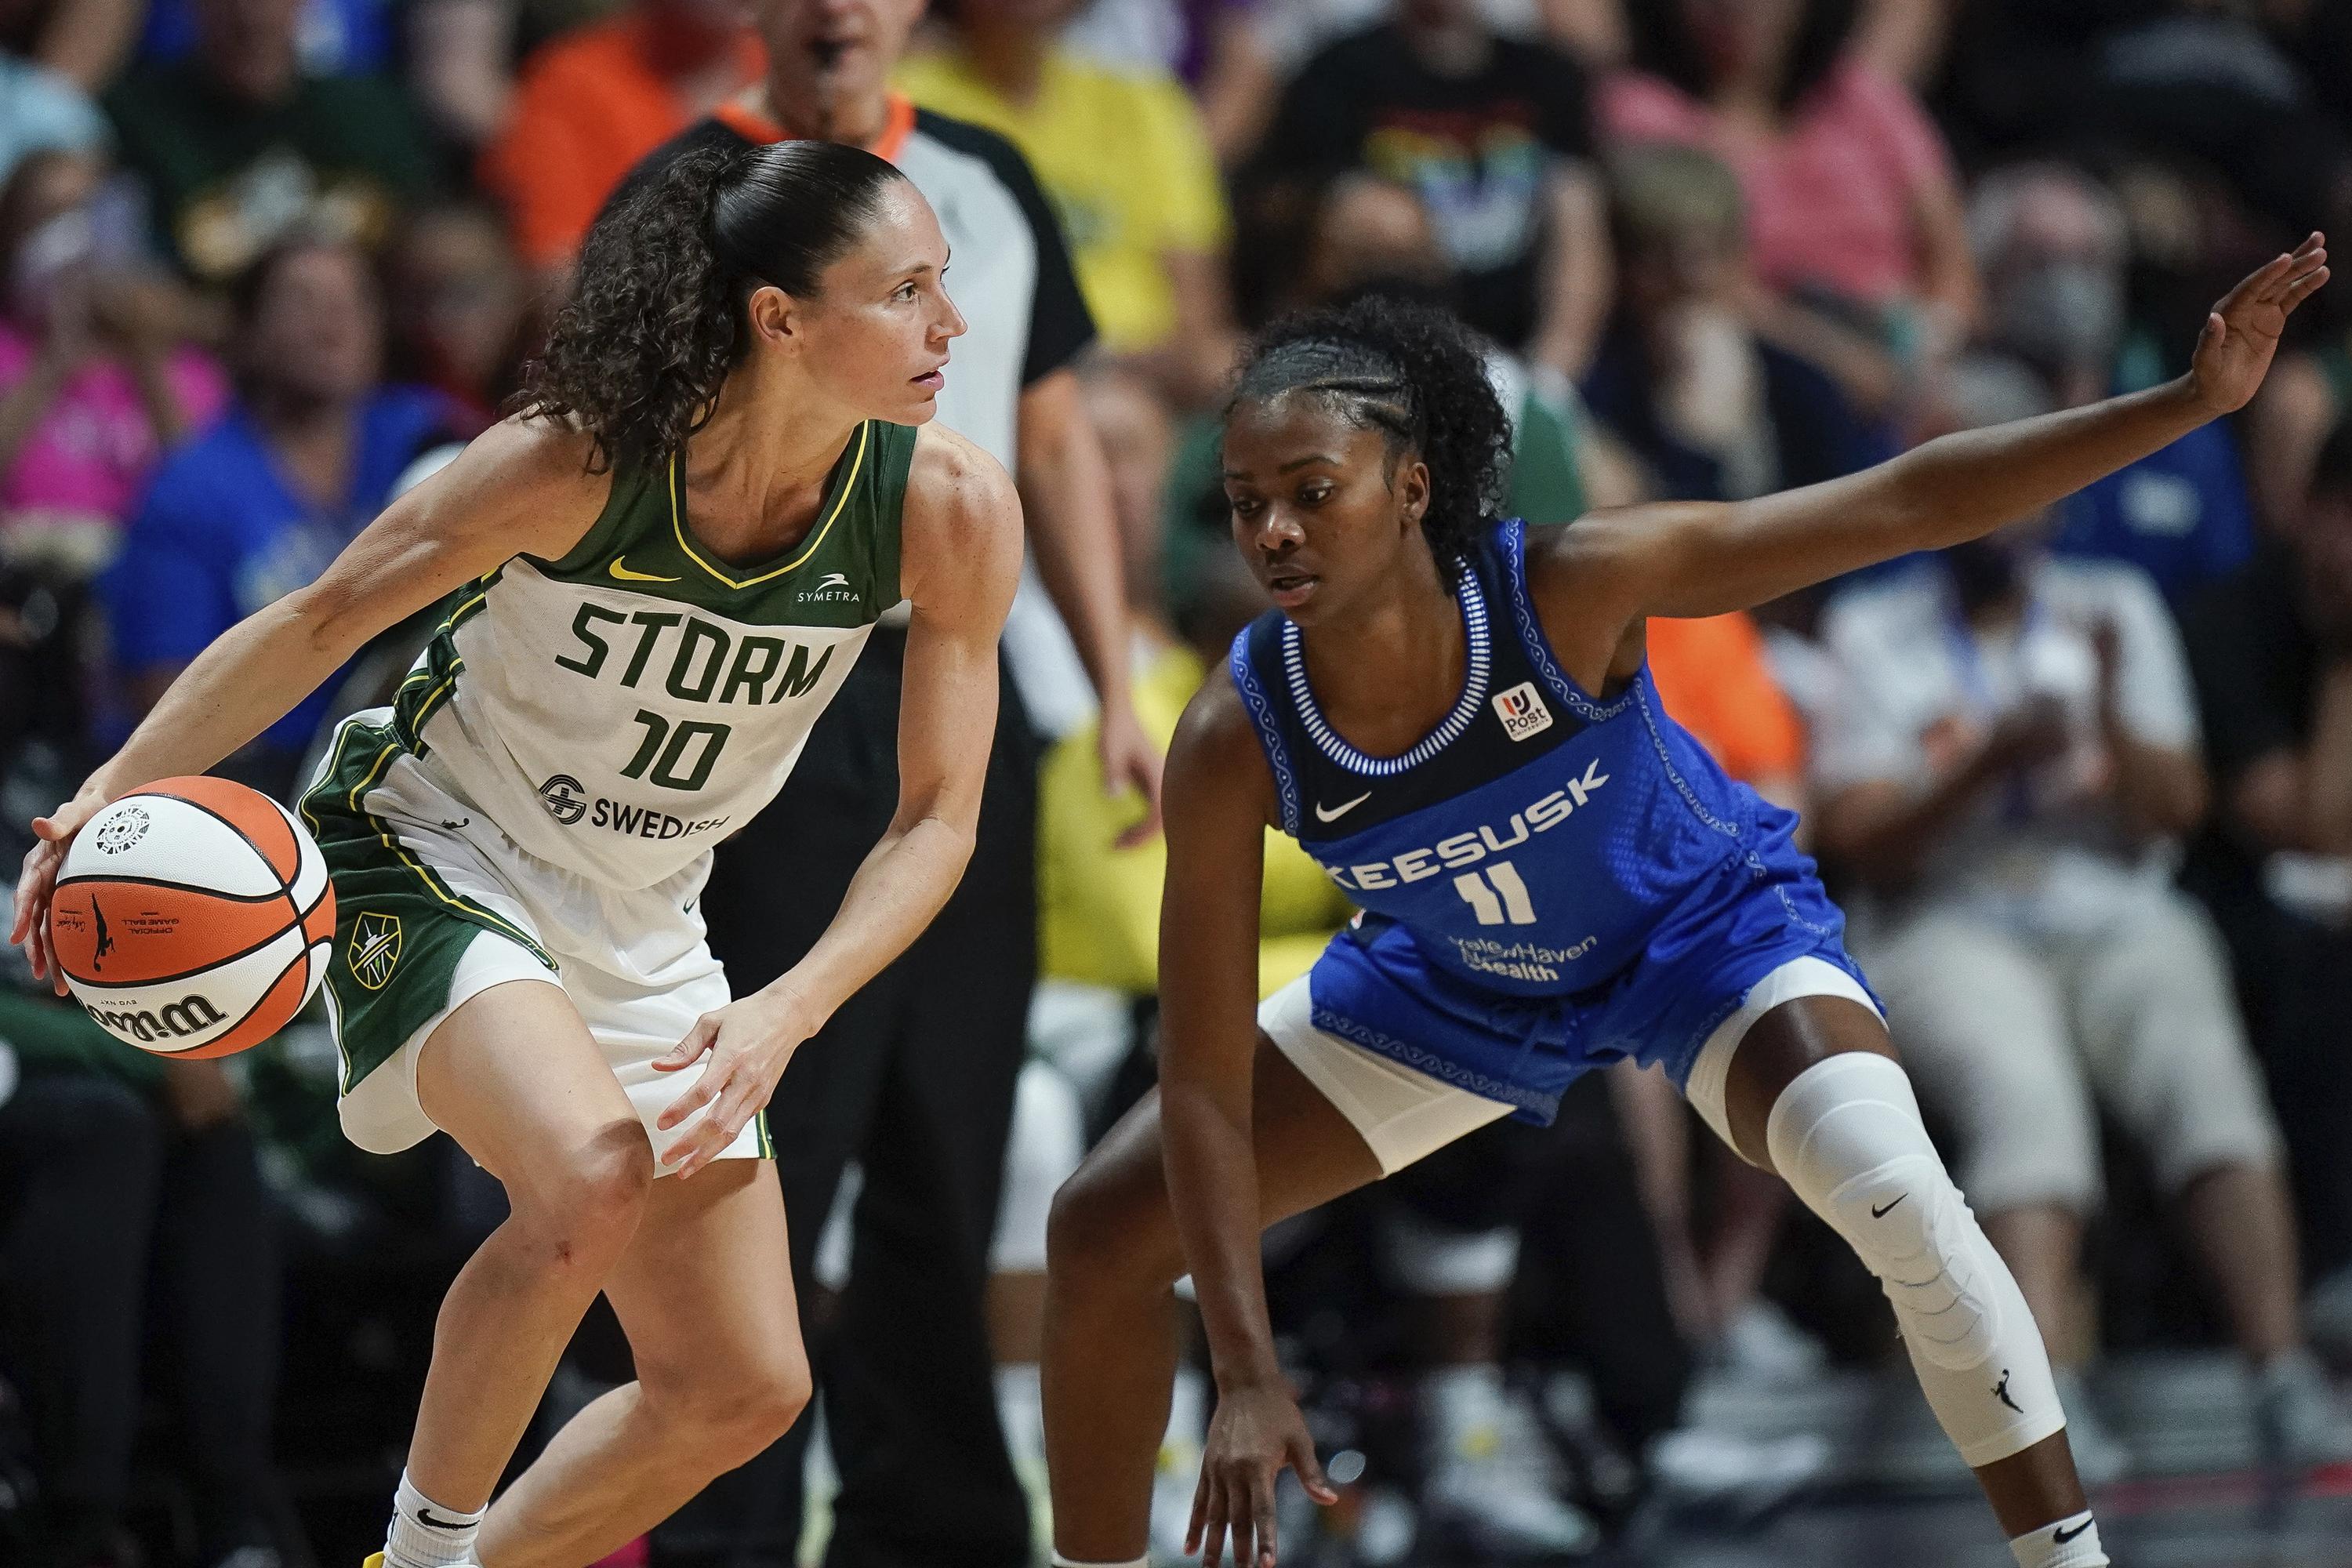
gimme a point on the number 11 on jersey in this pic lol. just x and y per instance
(1497, 895)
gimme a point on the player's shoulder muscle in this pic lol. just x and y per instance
(959, 529)
(1217, 768)
(526, 485)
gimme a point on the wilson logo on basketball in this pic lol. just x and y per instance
(1522, 711)
(188, 1015)
(192, 918)
(376, 948)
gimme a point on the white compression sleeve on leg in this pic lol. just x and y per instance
(1846, 1136)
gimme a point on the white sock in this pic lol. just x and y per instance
(424, 1534)
(1464, 1407)
(1021, 1413)
(2069, 1543)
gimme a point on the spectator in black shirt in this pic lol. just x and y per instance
(2271, 648)
(1496, 135)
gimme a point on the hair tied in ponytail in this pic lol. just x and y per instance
(638, 354)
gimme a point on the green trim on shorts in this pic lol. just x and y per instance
(400, 928)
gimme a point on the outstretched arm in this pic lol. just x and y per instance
(521, 487)
(962, 544)
(1701, 558)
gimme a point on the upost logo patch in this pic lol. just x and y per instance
(1522, 711)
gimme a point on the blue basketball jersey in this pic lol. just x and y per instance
(1539, 846)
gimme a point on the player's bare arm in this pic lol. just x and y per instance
(1068, 481)
(1599, 579)
(963, 553)
(1220, 801)
(521, 487)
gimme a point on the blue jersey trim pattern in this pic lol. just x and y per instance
(1465, 708)
(1513, 539)
(1428, 1064)
(1270, 732)
(1667, 761)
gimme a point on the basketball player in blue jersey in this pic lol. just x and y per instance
(1454, 716)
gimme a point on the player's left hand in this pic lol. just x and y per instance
(1128, 758)
(1254, 1435)
(2233, 352)
(748, 1043)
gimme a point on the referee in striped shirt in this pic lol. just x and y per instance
(913, 1079)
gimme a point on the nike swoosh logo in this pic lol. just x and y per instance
(2061, 1537)
(372, 949)
(1877, 1212)
(622, 574)
(1333, 814)
(425, 1514)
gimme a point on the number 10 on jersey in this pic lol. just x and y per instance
(667, 760)
(1497, 895)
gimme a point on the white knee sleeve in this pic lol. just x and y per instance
(1846, 1136)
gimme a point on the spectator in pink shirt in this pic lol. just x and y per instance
(1854, 218)
(94, 382)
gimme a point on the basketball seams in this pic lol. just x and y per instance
(215, 1046)
(289, 852)
(204, 968)
(118, 880)
(286, 856)
(284, 878)
(286, 875)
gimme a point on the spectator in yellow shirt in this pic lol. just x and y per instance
(1123, 157)
(1099, 940)
(1099, 903)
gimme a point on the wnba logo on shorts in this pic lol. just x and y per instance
(1522, 711)
(376, 948)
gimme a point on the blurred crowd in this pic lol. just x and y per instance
(2085, 787)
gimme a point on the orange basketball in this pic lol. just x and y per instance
(192, 919)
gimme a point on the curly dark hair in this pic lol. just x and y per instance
(1417, 373)
(637, 355)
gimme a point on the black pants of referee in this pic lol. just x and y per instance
(913, 1079)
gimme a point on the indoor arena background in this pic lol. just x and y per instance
(265, 260)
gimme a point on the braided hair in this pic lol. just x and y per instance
(1411, 372)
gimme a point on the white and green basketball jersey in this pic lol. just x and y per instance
(620, 710)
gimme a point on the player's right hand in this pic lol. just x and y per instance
(38, 881)
(1255, 1433)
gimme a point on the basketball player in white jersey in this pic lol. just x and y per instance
(656, 575)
